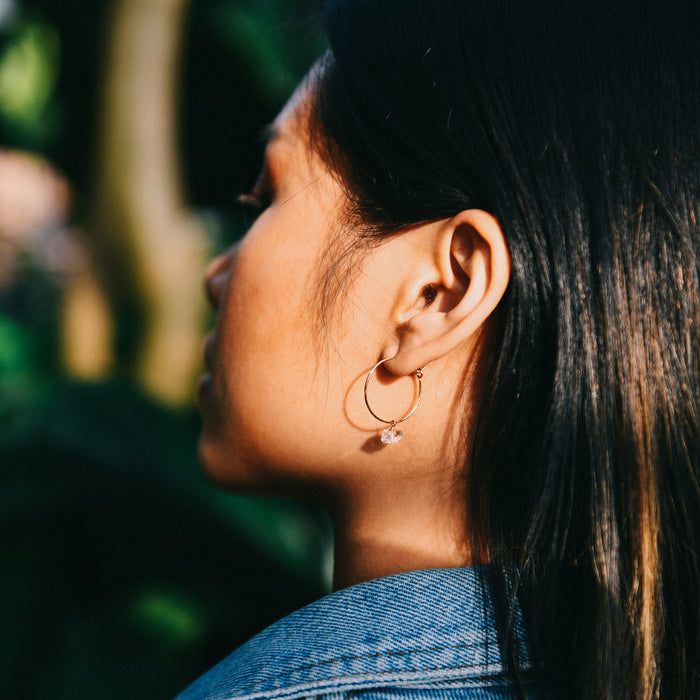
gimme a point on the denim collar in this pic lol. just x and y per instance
(421, 629)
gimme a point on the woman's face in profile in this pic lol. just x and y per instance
(276, 400)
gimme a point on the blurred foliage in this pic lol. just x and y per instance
(122, 572)
(28, 74)
(236, 79)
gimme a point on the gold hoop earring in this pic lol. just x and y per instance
(391, 436)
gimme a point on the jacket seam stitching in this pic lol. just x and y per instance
(380, 654)
(378, 675)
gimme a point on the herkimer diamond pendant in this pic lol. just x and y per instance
(391, 436)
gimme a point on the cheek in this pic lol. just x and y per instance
(259, 331)
(269, 297)
(264, 362)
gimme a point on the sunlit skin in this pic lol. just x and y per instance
(282, 402)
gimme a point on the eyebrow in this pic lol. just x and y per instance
(269, 133)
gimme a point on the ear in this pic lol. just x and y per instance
(471, 265)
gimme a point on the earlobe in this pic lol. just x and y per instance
(474, 270)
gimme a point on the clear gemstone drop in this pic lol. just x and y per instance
(391, 436)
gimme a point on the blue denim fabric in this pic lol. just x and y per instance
(422, 634)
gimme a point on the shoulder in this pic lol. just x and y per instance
(419, 634)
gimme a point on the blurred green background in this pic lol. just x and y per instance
(127, 127)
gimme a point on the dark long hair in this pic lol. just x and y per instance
(576, 123)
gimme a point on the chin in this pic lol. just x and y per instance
(223, 467)
(232, 471)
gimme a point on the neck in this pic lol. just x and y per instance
(382, 533)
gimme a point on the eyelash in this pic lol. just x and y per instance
(260, 197)
(253, 200)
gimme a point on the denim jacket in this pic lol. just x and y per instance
(422, 634)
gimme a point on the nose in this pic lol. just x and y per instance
(216, 276)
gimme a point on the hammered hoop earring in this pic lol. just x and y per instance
(391, 436)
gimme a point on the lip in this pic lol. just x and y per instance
(205, 380)
(203, 387)
(208, 350)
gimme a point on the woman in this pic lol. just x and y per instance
(486, 211)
